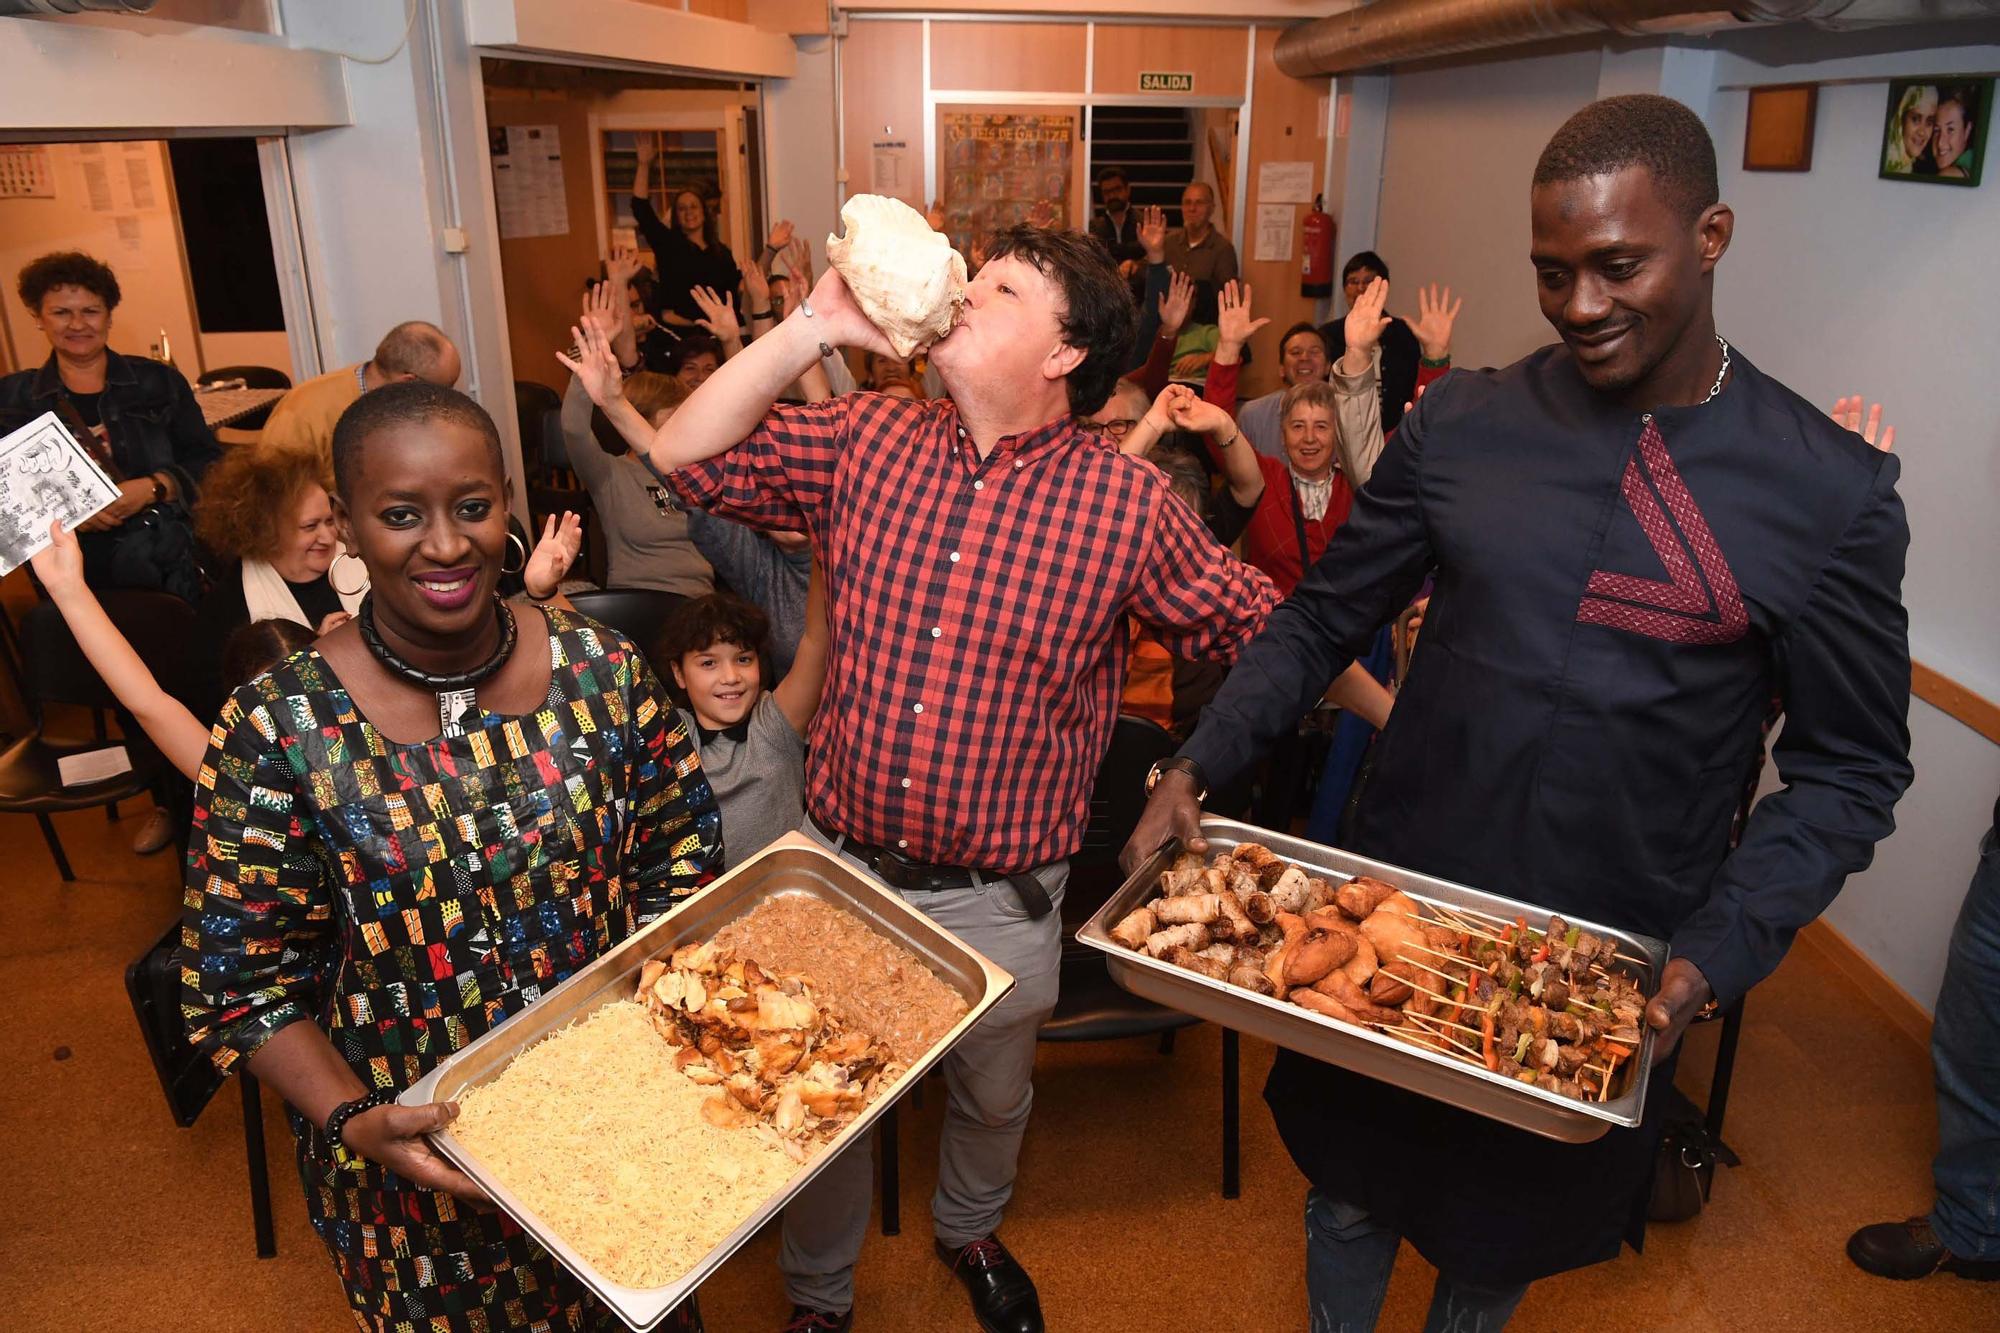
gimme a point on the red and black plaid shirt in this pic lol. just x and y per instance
(979, 613)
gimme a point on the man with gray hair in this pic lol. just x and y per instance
(1197, 249)
(413, 350)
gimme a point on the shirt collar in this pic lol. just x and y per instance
(48, 380)
(1045, 438)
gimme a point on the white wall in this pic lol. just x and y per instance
(800, 145)
(1461, 147)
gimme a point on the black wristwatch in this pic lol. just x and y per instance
(159, 489)
(346, 1111)
(1185, 765)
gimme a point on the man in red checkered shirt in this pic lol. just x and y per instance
(984, 557)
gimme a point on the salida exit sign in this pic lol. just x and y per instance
(1162, 81)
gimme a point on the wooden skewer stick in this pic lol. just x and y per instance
(1442, 1022)
(1461, 912)
(1424, 1021)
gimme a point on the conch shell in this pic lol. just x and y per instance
(905, 276)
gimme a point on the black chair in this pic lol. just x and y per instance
(188, 1078)
(637, 613)
(536, 406)
(253, 377)
(48, 667)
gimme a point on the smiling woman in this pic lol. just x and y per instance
(562, 806)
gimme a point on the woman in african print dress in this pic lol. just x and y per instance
(408, 833)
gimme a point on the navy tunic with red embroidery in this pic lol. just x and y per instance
(1620, 597)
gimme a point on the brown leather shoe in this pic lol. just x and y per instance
(1003, 1295)
(805, 1319)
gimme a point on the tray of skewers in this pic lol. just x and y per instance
(1488, 1003)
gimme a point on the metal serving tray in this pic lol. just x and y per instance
(792, 865)
(1446, 1078)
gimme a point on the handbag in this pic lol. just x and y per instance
(156, 549)
(1684, 1169)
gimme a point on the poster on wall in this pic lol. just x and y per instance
(528, 180)
(1003, 167)
(1936, 129)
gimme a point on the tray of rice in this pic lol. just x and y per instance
(648, 1116)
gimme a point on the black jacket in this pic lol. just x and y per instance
(150, 416)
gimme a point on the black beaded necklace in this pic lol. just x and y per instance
(456, 694)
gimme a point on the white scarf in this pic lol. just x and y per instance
(1313, 495)
(266, 595)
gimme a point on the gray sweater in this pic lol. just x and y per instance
(646, 539)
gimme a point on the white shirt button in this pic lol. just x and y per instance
(937, 631)
(906, 784)
(902, 843)
(916, 708)
(1020, 463)
(954, 557)
(961, 432)
(978, 485)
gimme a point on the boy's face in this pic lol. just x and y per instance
(722, 682)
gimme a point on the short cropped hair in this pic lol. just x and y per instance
(1637, 130)
(693, 345)
(1367, 259)
(1304, 326)
(1098, 314)
(1113, 174)
(1309, 393)
(67, 268)
(701, 622)
(404, 403)
(412, 348)
(249, 496)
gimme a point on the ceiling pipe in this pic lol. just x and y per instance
(1390, 31)
(18, 7)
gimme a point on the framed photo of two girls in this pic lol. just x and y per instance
(1936, 129)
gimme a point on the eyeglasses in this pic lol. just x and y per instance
(1117, 428)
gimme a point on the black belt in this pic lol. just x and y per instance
(908, 876)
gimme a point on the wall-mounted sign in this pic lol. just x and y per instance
(1160, 81)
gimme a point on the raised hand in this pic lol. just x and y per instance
(717, 317)
(781, 236)
(1193, 412)
(799, 260)
(1232, 319)
(621, 267)
(756, 289)
(605, 307)
(1847, 413)
(1160, 416)
(1042, 213)
(838, 320)
(1152, 233)
(595, 365)
(562, 541)
(1365, 322)
(60, 565)
(1175, 304)
(643, 170)
(1436, 313)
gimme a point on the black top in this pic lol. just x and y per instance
(1227, 519)
(685, 265)
(222, 613)
(1121, 241)
(89, 406)
(1401, 354)
(1619, 601)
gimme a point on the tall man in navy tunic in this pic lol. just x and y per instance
(1640, 542)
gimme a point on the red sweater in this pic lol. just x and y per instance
(1271, 542)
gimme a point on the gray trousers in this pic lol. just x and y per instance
(988, 1095)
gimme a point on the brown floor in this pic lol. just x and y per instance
(116, 1219)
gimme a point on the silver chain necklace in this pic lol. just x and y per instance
(1720, 375)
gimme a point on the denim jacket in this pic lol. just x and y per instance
(150, 416)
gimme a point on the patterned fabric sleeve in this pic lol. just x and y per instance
(780, 475)
(674, 842)
(257, 913)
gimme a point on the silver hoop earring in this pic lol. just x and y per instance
(335, 583)
(514, 541)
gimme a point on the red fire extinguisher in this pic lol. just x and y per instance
(1316, 277)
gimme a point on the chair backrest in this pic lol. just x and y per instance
(253, 377)
(532, 404)
(153, 983)
(1116, 801)
(55, 670)
(637, 613)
